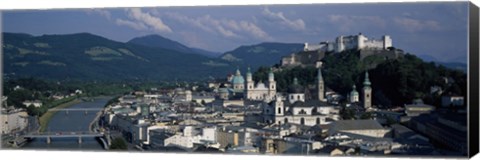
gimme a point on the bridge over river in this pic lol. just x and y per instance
(85, 110)
(63, 134)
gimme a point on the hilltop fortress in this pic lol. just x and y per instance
(313, 53)
(351, 42)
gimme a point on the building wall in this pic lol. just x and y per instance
(11, 122)
(292, 98)
(452, 100)
(182, 141)
(308, 120)
(379, 133)
(226, 137)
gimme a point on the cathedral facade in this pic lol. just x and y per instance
(260, 91)
(294, 108)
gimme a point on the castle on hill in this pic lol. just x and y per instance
(351, 42)
(312, 54)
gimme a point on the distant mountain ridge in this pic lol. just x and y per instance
(86, 56)
(452, 65)
(158, 41)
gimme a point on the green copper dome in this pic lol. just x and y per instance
(354, 91)
(238, 78)
(295, 87)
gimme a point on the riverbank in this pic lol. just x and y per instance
(45, 118)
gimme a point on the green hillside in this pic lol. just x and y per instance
(85, 56)
(263, 54)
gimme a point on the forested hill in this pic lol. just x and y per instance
(85, 56)
(394, 82)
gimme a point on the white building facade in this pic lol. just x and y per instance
(351, 42)
(261, 91)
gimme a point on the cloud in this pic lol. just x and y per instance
(247, 27)
(101, 12)
(131, 24)
(225, 27)
(297, 25)
(143, 21)
(414, 25)
(348, 23)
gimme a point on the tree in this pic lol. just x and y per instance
(366, 115)
(118, 144)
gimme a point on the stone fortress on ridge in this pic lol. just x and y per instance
(294, 106)
(313, 53)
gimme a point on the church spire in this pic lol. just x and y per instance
(249, 74)
(270, 75)
(366, 82)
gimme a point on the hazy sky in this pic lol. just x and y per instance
(434, 29)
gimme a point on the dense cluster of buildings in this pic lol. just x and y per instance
(245, 116)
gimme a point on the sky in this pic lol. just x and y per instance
(437, 30)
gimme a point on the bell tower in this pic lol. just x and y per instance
(367, 92)
(320, 85)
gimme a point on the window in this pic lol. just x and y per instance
(279, 110)
(298, 97)
(318, 120)
(302, 121)
(302, 112)
(286, 120)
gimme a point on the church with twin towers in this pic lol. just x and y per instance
(293, 106)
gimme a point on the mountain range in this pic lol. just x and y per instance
(85, 56)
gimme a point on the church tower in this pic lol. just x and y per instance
(367, 92)
(249, 84)
(272, 85)
(320, 86)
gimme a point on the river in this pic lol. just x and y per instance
(73, 121)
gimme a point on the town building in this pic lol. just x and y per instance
(35, 103)
(360, 127)
(13, 121)
(448, 130)
(454, 101)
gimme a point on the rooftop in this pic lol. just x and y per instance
(356, 125)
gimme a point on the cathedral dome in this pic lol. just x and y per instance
(354, 91)
(261, 85)
(238, 78)
(295, 87)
